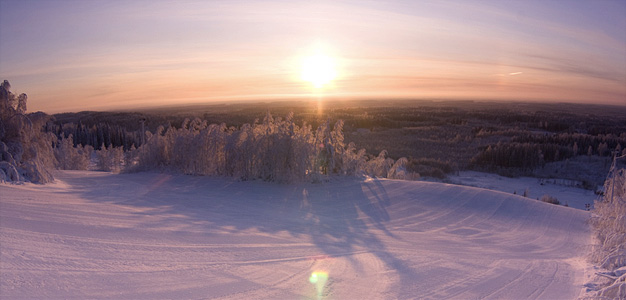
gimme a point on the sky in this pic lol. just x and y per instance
(73, 55)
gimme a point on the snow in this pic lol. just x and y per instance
(158, 236)
(574, 196)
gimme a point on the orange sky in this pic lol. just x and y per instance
(100, 55)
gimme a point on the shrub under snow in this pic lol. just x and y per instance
(547, 199)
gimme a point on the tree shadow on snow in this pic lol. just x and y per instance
(341, 218)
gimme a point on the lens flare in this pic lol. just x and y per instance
(319, 278)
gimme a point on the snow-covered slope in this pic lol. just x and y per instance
(575, 197)
(151, 236)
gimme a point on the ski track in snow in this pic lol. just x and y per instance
(158, 236)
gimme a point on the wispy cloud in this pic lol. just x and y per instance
(584, 67)
(117, 52)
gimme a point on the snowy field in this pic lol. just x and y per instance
(157, 236)
(573, 196)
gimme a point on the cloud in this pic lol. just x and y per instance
(583, 67)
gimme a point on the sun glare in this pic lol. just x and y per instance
(318, 70)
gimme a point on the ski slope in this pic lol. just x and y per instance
(157, 236)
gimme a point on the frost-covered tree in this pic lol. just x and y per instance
(70, 157)
(25, 150)
(379, 166)
(398, 169)
(21, 103)
(274, 149)
(609, 223)
(130, 157)
(110, 159)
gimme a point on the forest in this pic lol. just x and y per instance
(304, 139)
(436, 137)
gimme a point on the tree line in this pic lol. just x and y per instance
(274, 149)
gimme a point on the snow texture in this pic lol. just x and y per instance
(97, 235)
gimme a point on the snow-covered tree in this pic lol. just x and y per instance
(26, 152)
(70, 157)
(275, 149)
(398, 169)
(110, 159)
(609, 223)
(380, 165)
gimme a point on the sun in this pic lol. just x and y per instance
(318, 69)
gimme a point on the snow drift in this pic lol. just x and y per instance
(156, 236)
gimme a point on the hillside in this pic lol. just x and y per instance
(156, 236)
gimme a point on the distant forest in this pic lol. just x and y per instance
(437, 138)
(280, 141)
